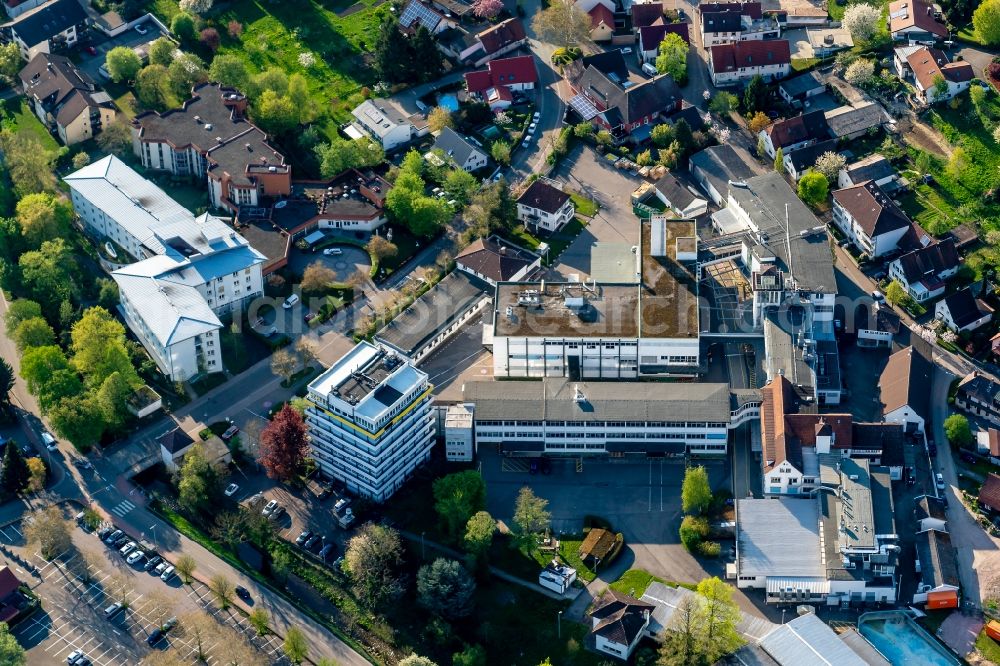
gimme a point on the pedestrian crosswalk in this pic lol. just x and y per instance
(122, 508)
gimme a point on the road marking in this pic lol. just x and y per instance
(123, 508)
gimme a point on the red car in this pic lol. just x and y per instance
(91, 50)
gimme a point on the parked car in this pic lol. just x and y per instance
(230, 433)
(136, 556)
(269, 509)
(310, 316)
(311, 541)
(290, 302)
(127, 548)
(303, 537)
(121, 541)
(333, 251)
(878, 297)
(967, 457)
(49, 441)
(327, 551)
(104, 532)
(153, 562)
(546, 466)
(627, 50)
(276, 514)
(167, 574)
(170, 624)
(91, 50)
(112, 610)
(161, 567)
(243, 593)
(939, 481)
(231, 489)
(255, 499)
(155, 636)
(73, 657)
(533, 466)
(110, 539)
(932, 449)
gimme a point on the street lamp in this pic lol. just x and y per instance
(559, 625)
(422, 556)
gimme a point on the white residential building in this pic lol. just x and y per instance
(48, 27)
(459, 150)
(923, 273)
(935, 78)
(618, 623)
(870, 219)
(961, 311)
(733, 64)
(187, 271)
(387, 123)
(370, 420)
(545, 206)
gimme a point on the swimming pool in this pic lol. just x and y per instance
(448, 101)
(902, 641)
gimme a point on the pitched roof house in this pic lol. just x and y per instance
(495, 260)
(500, 78)
(796, 132)
(903, 389)
(800, 160)
(962, 311)
(989, 493)
(646, 13)
(731, 64)
(929, 513)
(988, 442)
(618, 622)
(500, 40)
(979, 394)
(460, 150)
(869, 218)
(650, 37)
(65, 98)
(545, 206)
(938, 568)
(915, 21)
(602, 23)
(922, 272)
(929, 66)
(599, 96)
(874, 167)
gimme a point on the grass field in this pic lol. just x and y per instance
(988, 648)
(635, 581)
(275, 34)
(15, 115)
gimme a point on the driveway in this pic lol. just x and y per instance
(584, 170)
(129, 38)
(350, 260)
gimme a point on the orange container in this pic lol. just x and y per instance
(993, 630)
(942, 599)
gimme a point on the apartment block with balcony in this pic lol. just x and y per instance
(370, 420)
(870, 219)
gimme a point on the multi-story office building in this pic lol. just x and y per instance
(370, 420)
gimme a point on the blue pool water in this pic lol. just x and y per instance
(448, 101)
(902, 641)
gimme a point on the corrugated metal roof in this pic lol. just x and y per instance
(171, 312)
(767, 530)
(808, 640)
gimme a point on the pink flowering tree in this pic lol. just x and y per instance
(487, 8)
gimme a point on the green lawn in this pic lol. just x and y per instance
(988, 648)
(15, 115)
(558, 241)
(804, 64)
(584, 205)
(635, 581)
(968, 34)
(275, 34)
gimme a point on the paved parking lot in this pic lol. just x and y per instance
(72, 615)
(130, 38)
(350, 260)
(461, 358)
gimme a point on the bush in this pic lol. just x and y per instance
(693, 530)
(710, 548)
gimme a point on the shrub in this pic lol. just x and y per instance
(710, 548)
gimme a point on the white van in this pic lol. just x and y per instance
(649, 68)
(290, 301)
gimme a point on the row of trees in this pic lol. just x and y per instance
(696, 500)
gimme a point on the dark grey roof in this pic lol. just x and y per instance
(555, 400)
(37, 26)
(543, 196)
(608, 62)
(808, 260)
(174, 441)
(927, 263)
(721, 164)
(674, 191)
(938, 564)
(963, 306)
(497, 259)
(929, 507)
(801, 85)
(434, 311)
(803, 158)
(874, 167)
(61, 88)
(455, 145)
(621, 618)
(689, 114)
(624, 106)
(721, 22)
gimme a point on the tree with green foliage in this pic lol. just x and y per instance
(34, 332)
(696, 492)
(457, 497)
(115, 138)
(472, 655)
(79, 419)
(151, 86)
(958, 432)
(197, 481)
(14, 472)
(112, 397)
(10, 61)
(340, 155)
(259, 620)
(408, 204)
(162, 52)
(123, 64)
(693, 530)
(48, 374)
(717, 618)
(562, 23)
(43, 216)
(531, 516)
(986, 21)
(185, 566)
(49, 274)
(275, 113)
(445, 588)
(229, 70)
(829, 164)
(183, 27)
(296, 646)
(755, 95)
(98, 348)
(460, 185)
(672, 57)
(723, 103)
(107, 294)
(940, 87)
(813, 188)
(779, 160)
(439, 118)
(20, 310)
(500, 151)
(302, 101)
(6, 383)
(416, 660)
(373, 558)
(479, 533)
(662, 135)
(680, 641)
(186, 71)
(29, 163)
